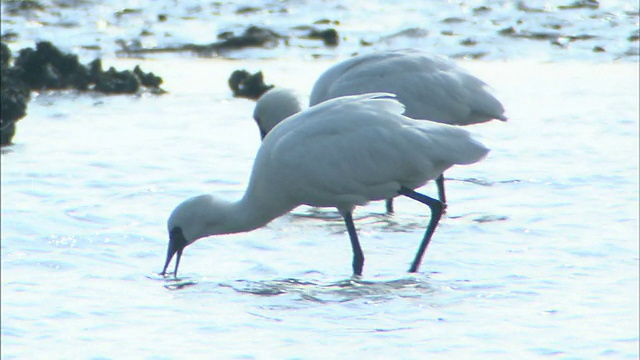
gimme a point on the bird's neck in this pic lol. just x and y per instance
(252, 212)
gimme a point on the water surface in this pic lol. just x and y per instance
(536, 257)
(592, 31)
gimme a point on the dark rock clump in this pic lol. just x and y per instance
(46, 67)
(329, 36)
(5, 55)
(253, 36)
(244, 84)
(581, 4)
(123, 82)
(149, 80)
(117, 82)
(14, 96)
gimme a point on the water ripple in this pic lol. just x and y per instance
(340, 291)
(315, 291)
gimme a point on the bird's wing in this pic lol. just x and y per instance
(351, 150)
(431, 87)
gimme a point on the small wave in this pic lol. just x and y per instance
(481, 218)
(484, 182)
(490, 218)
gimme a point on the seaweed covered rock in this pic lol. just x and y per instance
(117, 82)
(14, 96)
(253, 36)
(113, 81)
(329, 36)
(46, 67)
(244, 84)
(5, 55)
(149, 80)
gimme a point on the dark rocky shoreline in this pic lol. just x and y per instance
(48, 68)
(568, 25)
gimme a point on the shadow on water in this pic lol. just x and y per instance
(171, 282)
(6, 150)
(394, 223)
(334, 292)
(308, 212)
(316, 291)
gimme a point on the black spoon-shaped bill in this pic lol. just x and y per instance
(177, 243)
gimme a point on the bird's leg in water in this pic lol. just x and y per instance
(441, 195)
(436, 212)
(389, 204)
(358, 257)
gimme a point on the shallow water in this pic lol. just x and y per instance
(491, 30)
(536, 257)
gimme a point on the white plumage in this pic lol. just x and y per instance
(341, 153)
(431, 87)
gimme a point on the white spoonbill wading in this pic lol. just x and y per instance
(431, 87)
(341, 153)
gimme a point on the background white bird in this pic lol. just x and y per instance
(341, 153)
(431, 87)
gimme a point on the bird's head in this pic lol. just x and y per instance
(194, 218)
(274, 106)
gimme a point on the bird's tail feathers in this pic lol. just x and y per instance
(454, 145)
(469, 151)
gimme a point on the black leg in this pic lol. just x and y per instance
(441, 194)
(389, 203)
(436, 212)
(358, 257)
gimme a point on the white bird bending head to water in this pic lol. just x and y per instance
(342, 153)
(431, 87)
